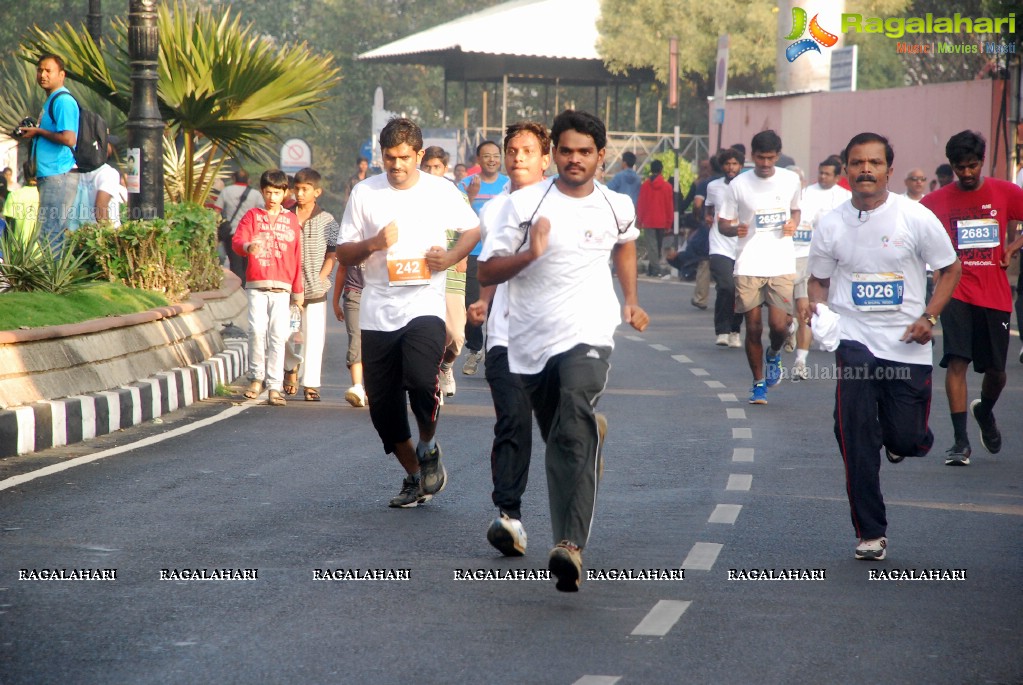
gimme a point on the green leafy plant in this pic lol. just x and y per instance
(195, 229)
(33, 263)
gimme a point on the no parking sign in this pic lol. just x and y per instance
(295, 154)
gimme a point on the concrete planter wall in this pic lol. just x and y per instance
(39, 367)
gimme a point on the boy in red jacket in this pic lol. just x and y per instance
(271, 239)
(655, 211)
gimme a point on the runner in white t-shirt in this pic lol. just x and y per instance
(396, 223)
(552, 245)
(727, 321)
(818, 199)
(526, 156)
(762, 209)
(867, 263)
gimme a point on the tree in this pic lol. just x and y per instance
(218, 80)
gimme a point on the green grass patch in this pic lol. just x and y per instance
(35, 309)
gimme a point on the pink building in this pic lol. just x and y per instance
(918, 121)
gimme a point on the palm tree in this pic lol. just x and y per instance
(218, 81)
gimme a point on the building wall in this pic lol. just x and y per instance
(918, 121)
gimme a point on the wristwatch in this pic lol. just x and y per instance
(930, 317)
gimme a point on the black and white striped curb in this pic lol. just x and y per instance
(54, 423)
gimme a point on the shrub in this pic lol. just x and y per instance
(173, 255)
(32, 263)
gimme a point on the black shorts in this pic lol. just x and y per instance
(977, 334)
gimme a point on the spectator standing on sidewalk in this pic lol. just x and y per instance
(655, 214)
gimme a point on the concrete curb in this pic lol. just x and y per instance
(54, 423)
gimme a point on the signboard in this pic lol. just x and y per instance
(295, 155)
(133, 169)
(721, 72)
(843, 69)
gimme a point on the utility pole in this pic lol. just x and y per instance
(94, 22)
(145, 126)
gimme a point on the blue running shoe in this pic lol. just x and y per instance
(758, 395)
(772, 371)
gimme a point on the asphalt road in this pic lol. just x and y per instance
(696, 478)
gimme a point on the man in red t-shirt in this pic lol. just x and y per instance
(975, 324)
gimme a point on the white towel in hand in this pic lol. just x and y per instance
(824, 326)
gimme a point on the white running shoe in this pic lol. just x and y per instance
(799, 372)
(722, 340)
(872, 550)
(734, 340)
(790, 340)
(356, 396)
(472, 362)
(508, 536)
(447, 380)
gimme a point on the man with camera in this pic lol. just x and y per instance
(53, 142)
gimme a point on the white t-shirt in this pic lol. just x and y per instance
(868, 260)
(765, 204)
(565, 298)
(719, 244)
(422, 213)
(816, 203)
(497, 321)
(108, 180)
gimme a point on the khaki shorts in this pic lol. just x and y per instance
(753, 291)
(454, 323)
(802, 276)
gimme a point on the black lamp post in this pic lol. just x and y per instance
(145, 127)
(94, 22)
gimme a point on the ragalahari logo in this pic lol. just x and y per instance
(817, 35)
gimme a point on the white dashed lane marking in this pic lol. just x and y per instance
(700, 372)
(725, 513)
(742, 454)
(727, 397)
(659, 347)
(661, 618)
(739, 481)
(702, 556)
(637, 338)
(715, 384)
(682, 359)
(742, 433)
(598, 680)
(736, 413)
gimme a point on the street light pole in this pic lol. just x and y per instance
(145, 126)
(94, 21)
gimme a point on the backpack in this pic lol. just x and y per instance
(91, 148)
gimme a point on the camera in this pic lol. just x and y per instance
(27, 122)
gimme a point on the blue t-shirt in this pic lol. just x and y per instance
(53, 158)
(487, 192)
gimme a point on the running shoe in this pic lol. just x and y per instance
(472, 363)
(722, 340)
(447, 380)
(990, 436)
(410, 495)
(734, 340)
(790, 339)
(892, 457)
(696, 304)
(958, 455)
(356, 396)
(871, 550)
(799, 372)
(508, 536)
(434, 477)
(758, 394)
(772, 371)
(566, 563)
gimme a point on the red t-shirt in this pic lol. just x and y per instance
(964, 215)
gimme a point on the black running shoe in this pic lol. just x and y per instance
(433, 475)
(958, 455)
(990, 436)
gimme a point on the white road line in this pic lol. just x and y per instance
(714, 384)
(682, 359)
(700, 372)
(145, 442)
(661, 618)
(727, 397)
(659, 347)
(598, 680)
(637, 338)
(725, 513)
(736, 413)
(742, 454)
(702, 556)
(739, 481)
(742, 433)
